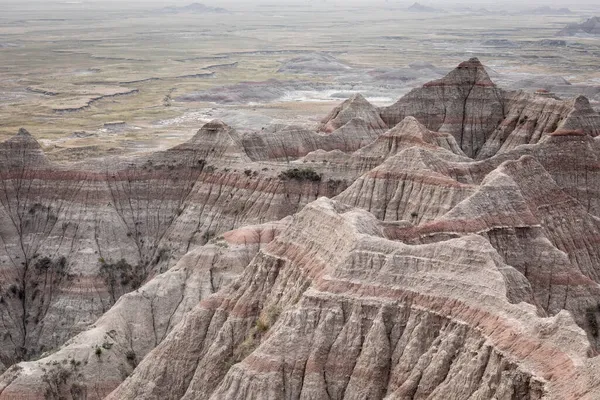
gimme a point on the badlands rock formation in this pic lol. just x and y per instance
(355, 107)
(196, 8)
(485, 119)
(444, 247)
(76, 238)
(590, 27)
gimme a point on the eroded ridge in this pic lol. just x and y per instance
(443, 247)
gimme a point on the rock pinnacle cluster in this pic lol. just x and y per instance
(443, 247)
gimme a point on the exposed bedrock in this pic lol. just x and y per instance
(308, 320)
(532, 117)
(355, 107)
(445, 247)
(139, 321)
(465, 103)
(517, 209)
(77, 238)
(286, 143)
(589, 28)
(485, 119)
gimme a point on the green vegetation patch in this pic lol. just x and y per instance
(301, 174)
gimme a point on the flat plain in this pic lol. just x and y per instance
(90, 80)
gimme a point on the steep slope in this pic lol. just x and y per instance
(460, 284)
(406, 327)
(125, 337)
(214, 141)
(485, 119)
(458, 257)
(401, 182)
(355, 107)
(22, 151)
(516, 209)
(292, 142)
(588, 27)
(531, 117)
(465, 103)
(408, 133)
(78, 237)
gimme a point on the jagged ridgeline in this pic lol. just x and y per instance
(443, 247)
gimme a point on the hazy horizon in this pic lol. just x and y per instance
(318, 3)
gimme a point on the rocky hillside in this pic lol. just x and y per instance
(590, 27)
(443, 247)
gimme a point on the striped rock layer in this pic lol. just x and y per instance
(449, 249)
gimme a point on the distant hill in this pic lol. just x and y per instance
(546, 10)
(195, 8)
(418, 7)
(589, 27)
(480, 11)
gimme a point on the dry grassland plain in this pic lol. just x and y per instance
(90, 80)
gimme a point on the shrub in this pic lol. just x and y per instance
(78, 391)
(16, 368)
(121, 275)
(267, 319)
(261, 325)
(592, 322)
(131, 358)
(98, 352)
(207, 235)
(301, 174)
(244, 349)
(163, 254)
(56, 382)
(46, 264)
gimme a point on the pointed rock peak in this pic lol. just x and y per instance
(473, 62)
(496, 203)
(533, 180)
(22, 150)
(408, 125)
(215, 140)
(24, 132)
(411, 136)
(24, 139)
(358, 98)
(581, 120)
(214, 127)
(581, 102)
(498, 178)
(356, 102)
(356, 106)
(470, 72)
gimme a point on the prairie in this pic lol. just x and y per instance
(67, 71)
